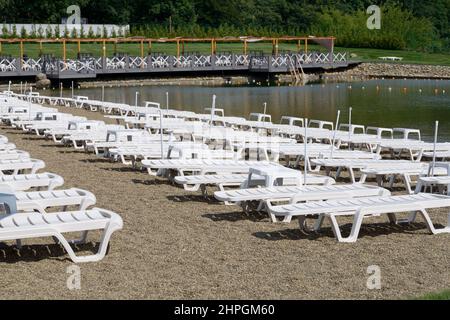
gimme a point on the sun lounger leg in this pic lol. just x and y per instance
(352, 175)
(430, 225)
(82, 239)
(319, 222)
(357, 221)
(103, 246)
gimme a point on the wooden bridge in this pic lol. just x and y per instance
(89, 67)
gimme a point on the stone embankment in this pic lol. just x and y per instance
(366, 71)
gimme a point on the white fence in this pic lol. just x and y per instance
(59, 30)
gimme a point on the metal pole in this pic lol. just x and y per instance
(72, 89)
(334, 133)
(29, 107)
(60, 89)
(21, 87)
(305, 140)
(9, 86)
(103, 93)
(265, 109)
(349, 125)
(135, 103)
(436, 128)
(213, 108)
(161, 131)
(167, 101)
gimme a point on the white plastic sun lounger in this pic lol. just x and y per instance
(32, 165)
(301, 193)
(194, 182)
(361, 208)
(442, 183)
(7, 146)
(14, 155)
(353, 164)
(41, 200)
(19, 226)
(202, 166)
(404, 171)
(22, 182)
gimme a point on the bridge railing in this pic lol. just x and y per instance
(159, 62)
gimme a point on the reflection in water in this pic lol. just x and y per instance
(386, 103)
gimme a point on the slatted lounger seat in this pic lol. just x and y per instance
(19, 226)
(353, 164)
(405, 172)
(41, 200)
(361, 208)
(7, 146)
(32, 165)
(14, 154)
(23, 182)
(194, 182)
(202, 166)
(300, 193)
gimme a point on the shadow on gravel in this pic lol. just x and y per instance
(195, 198)
(367, 230)
(153, 182)
(28, 253)
(236, 216)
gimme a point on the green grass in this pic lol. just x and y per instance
(445, 295)
(367, 55)
(413, 57)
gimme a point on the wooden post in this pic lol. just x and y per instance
(276, 47)
(178, 49)
(182, 47)
(306, 45)
(212, 47)
(299, 45)
(79, 46)
(273, 47)
(64, 50)
(115, 47)
(245, 46)
(1, 47)
(40, 47)
(104, 49)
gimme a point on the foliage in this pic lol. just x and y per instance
(412, 24)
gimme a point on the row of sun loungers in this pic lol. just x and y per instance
(30, 199)
(214, 154)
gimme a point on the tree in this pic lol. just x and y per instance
(5, 31)
(49, 32)
(23, 33)
(91, 33)
(57, 31)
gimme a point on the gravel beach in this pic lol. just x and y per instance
(178, 245)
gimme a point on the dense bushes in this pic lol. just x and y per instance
(421, 25)
(399, 29)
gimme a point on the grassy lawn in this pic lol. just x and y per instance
(445, 295)
(33, 50)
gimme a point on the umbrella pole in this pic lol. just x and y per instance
(334, 133)
(306, 151)
(436, 128)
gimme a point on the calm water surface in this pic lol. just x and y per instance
(387, 103)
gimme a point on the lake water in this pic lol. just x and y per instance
(384, 103)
